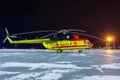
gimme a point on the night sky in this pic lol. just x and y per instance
(98, 18)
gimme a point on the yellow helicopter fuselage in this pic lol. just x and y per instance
(67, 44)
(56, 45)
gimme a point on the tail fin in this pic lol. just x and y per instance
(9, 39)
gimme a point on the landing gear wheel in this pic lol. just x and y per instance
(80, 51)
(59, 51)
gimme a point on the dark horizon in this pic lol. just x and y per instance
(98, 18)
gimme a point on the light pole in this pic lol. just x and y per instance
(109, 40)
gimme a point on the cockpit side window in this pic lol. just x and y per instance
(87, 42)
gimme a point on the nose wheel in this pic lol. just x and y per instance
(80, 51)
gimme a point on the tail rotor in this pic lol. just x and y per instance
(7, 35)
(6, 31)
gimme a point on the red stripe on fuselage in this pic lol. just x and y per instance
(70, 46)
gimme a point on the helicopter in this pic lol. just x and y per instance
(65, 39)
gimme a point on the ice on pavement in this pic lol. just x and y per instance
(25, 64)
(100, 78)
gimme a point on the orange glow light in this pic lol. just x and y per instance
(109, 39)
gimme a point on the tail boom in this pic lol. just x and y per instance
(29, 41)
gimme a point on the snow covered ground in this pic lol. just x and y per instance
(27, 64)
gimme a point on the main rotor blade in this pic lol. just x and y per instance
(33, 32)
(5, 40)
(76, 30)
(89, 36)
(69, 30)
(48, 35)
(6, 31)
(64, 30)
